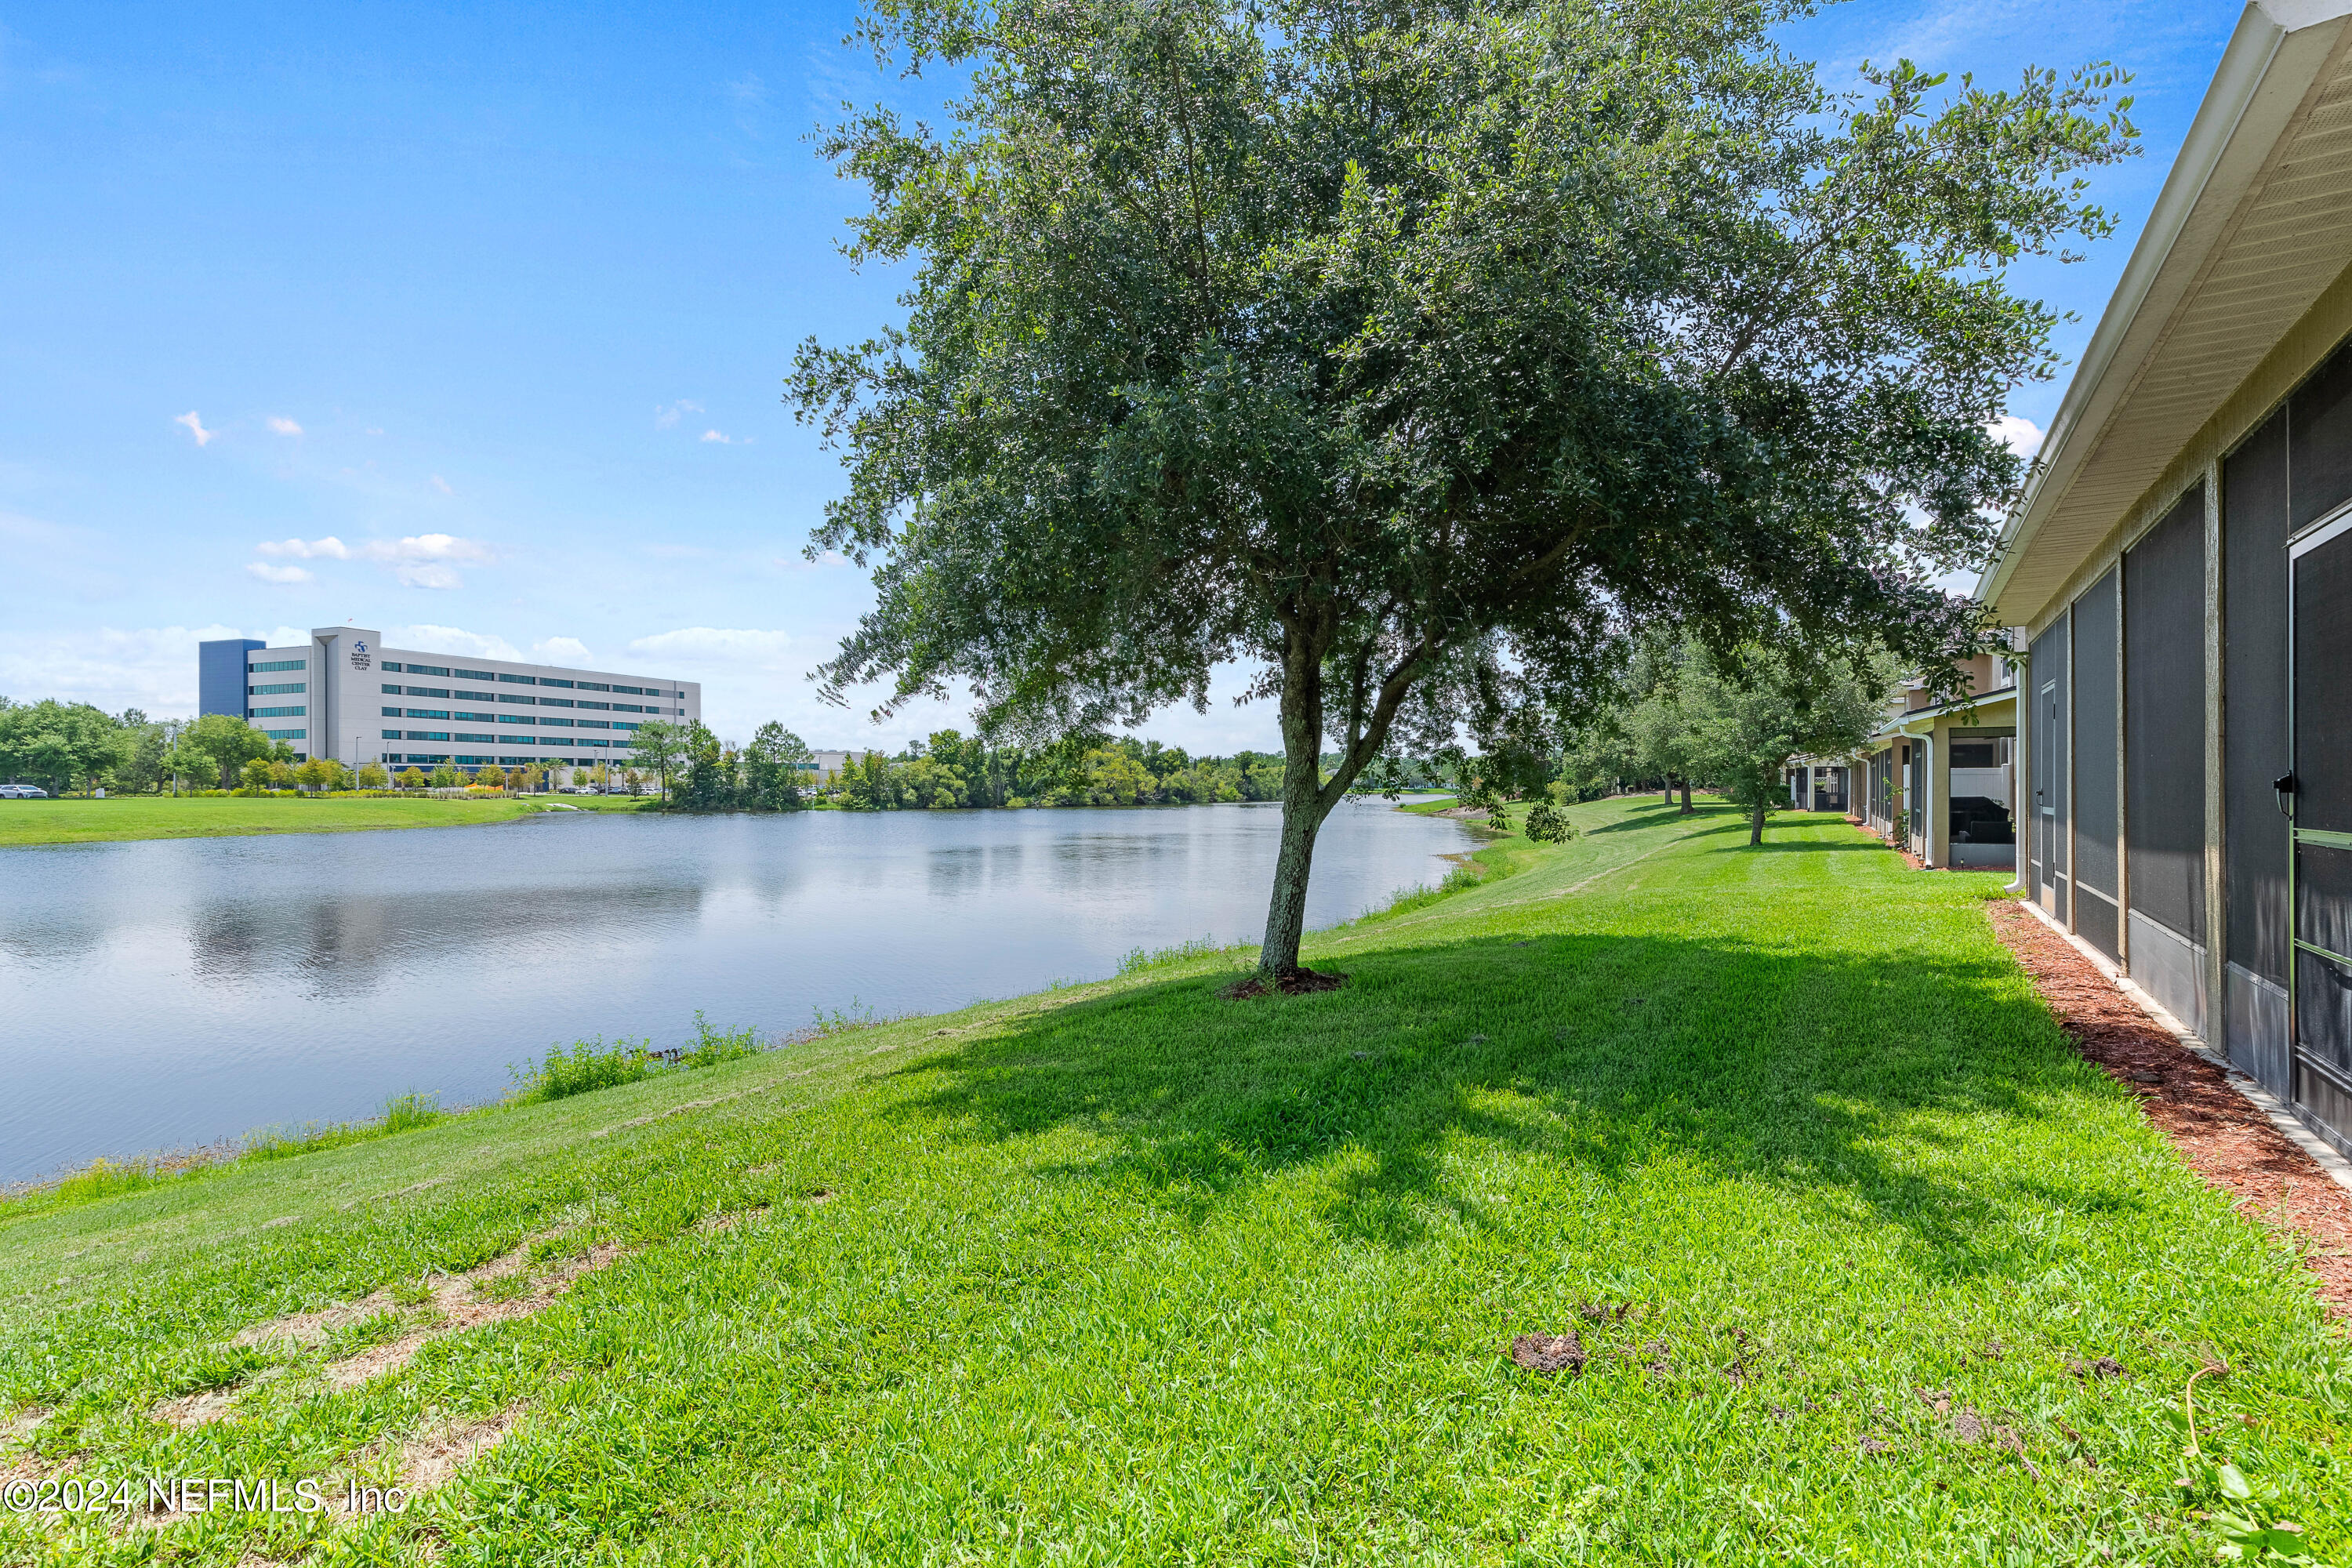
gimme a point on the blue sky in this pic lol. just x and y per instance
(470, 324)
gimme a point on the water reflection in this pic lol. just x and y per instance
(168, 994)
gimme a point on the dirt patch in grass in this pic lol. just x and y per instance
(1550, 1353)
(425, 1462)
(2225, 1138)
(460, 1304)
(312, 1327)
(1298, 983)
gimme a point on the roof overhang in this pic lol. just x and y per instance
(2253, 223)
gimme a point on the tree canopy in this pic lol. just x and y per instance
(1409, 355)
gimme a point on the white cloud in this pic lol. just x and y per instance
(195, 426)
(723, 440)
(268, 573)
(428, 547)
(2020, 435)
(417, 561)
(153, 667)
(667, 415)
(563, 650)
(452, 639)
(327, 549)
(722, 645)
(427, 574)
(284, 425)
(442, 485)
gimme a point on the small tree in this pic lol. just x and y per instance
(443, 776)
(1748, 714)
(256, 774)
(1409, 356)
(318, 773)
(216, 747)
(660, 748)
(772, 765)
(373, 776)
(489, 776)
(412, 777)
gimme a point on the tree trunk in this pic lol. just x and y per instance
(1303, 810)
(1686, 804)
(1666, 794)
(1756, 825)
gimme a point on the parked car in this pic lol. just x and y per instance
(1980, 819)
(22, 791)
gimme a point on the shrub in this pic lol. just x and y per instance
(403, 1111)
(712, 1047)
(587, 1065)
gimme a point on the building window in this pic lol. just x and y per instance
(556, 702)
(284, 689)
(428, 692)
(473, 675)
(547, 719)
(627, 707)
(287, 734)
(464, 696)
(470, 761)
(391, 734)
(428, 734)
(426, 713)
(585, 703)
(440, 669)
(594, 723)
(517, 719)
(585, 740)
(274, 713)
(476, 718)
(493, 739)
(517, 697)
(623, 724)
(550, 680)
(278, 665)
(520, 679)
(388, 665)
(392, 712)
(592, 686)
(391, 689)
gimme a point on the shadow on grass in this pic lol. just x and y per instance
(1827, 1074)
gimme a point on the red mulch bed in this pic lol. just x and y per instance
(2225, 1138)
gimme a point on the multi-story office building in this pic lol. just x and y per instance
(345, 697)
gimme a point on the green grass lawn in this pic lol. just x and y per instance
(1126, 1272)
(31, 822)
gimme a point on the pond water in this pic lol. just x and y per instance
(169, 993)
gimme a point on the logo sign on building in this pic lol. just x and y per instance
(359, 656)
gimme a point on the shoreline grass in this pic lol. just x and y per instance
(1124, 1271)
(32, 824)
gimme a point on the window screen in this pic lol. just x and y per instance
(2253, 704)
(2319, 436)
(2164, 728)
(2046, 707)
(2098, 918)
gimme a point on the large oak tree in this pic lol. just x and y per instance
(1410, 353)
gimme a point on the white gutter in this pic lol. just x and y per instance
(2105, 373)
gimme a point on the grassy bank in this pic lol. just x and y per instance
(1127, 1272)
(33, 822)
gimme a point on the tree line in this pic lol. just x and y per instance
(775, 771)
